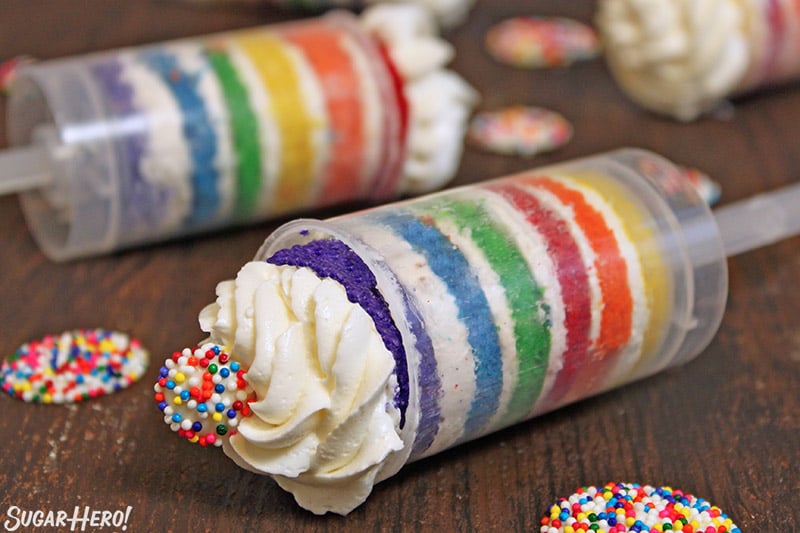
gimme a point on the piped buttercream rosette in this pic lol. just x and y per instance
(683, 59)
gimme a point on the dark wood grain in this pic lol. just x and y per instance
(726, 426)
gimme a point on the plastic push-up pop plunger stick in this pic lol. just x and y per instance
(370, 340)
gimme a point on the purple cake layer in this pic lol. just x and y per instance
(335, 260)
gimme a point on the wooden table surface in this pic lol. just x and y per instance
(725, 426)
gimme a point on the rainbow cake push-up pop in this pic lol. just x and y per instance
(140, 144)
(388, 335)
(683, 58)
(447, 12)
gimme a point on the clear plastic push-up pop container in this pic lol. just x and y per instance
(447, 12)
(373, 339)
(131, 146)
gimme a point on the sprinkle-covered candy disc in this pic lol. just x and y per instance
(708, 189)
(674, 179)
(73, 366)
(519, 130)
(619, 507)
(540, 42)
(203, 394)
(9, 69)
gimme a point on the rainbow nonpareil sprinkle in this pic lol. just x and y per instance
(541, 42)
(74, 366)
(624, 507)
(519, 130)
(203, 394)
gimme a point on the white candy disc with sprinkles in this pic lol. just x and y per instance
(630, 507)
(674, 179)
(73, 366)
(542, 42)
(9, 69)
(203, 394)
(708, 189)
(519, 130)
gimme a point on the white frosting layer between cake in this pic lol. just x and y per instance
(165, 162)
(323, 423)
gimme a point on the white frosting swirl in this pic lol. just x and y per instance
(440, 101)
(449, 13)
(676, 57)
(323, 424)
